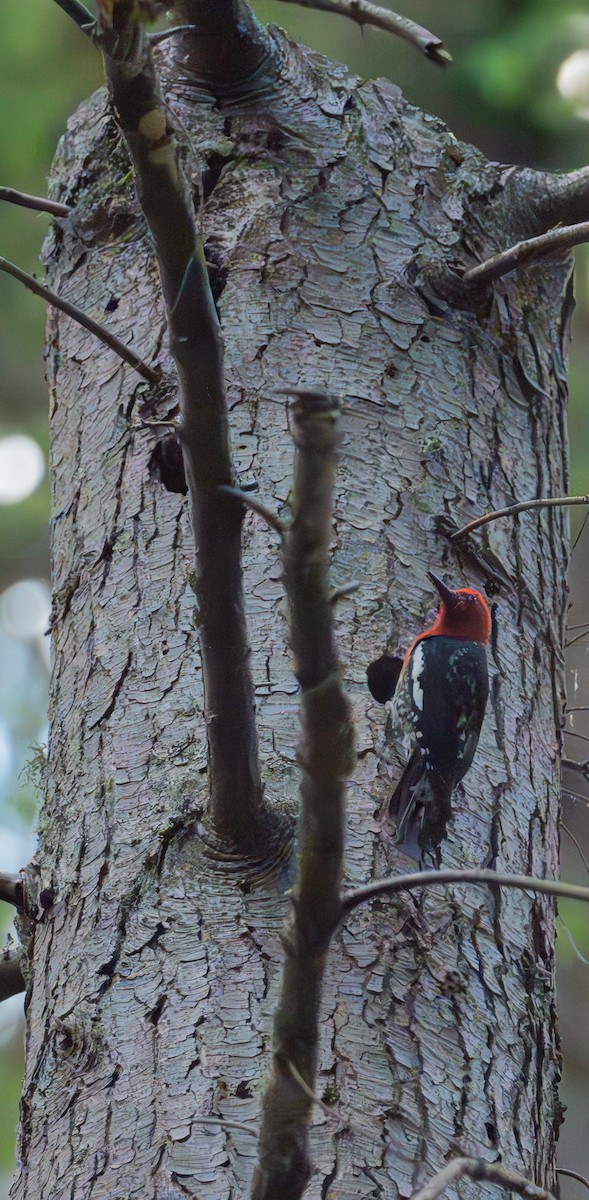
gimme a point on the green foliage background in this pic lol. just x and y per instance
(500, 94)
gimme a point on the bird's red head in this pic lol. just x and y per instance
(463, 613)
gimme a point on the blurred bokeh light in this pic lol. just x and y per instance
(22, 467)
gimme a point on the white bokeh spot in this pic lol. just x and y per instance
(25, 608)
(22, 467)
(572, 82)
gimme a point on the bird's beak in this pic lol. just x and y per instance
(447, 594)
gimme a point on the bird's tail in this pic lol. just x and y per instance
(421, 806)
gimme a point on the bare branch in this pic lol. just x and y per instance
(365, 13)
(570, 834)
(573, 1175)
(252, 1130)
(477, 875)
(327, 758)
(39, 203)
(104, 335)
(572, 764)
(82, 16)
(347, 589)
(11, 977)
(296, 1074)
(248, 501)
(514, 509)
(239, 815)
(564, 237)
(480, 1170)
(12, 890)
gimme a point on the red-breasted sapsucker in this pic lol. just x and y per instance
(438, 694)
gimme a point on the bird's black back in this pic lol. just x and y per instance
(454, 685)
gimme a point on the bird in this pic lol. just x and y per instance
(436, 695)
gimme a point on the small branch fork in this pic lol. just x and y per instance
(39, 203)
(327, 758)
(480, 1171)
(514, 509)
(365, 13)
(563, 237)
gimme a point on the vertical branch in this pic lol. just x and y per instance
(326, 757)
(197, 347)
(226, 48)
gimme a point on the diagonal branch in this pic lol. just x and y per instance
(326, 758)
(78, 12)
(480, 1170)
(39, 203)
(477, 875)
(514, 509)
(247, 501)
(564, 237)
(365, 13)
(236, 805)
(573, 1175)
(64, 306)
(573, 764)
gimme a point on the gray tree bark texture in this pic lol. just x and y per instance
(330, 205)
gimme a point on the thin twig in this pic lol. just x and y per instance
(573, 1175)
(247, 501)
(82, 16)
(564, 237)
(575, 842)
(577, 707)
(480, 1170)
(573, 944)
(71, 310)
(514, 509)
(365, 13)
(578, 638)
(573, 764)
(581, 532)
(347, 589)
(39, 203)
(575, 796)
(12, 890)
(574, 733)
(477, 875)
(296, 1074)
(249, 1129)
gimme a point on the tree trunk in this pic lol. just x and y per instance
(332, 209)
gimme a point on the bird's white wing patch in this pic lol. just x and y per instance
(416, 667)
